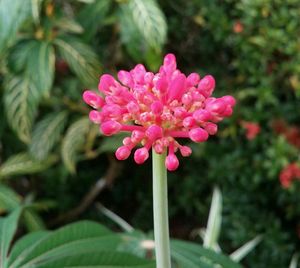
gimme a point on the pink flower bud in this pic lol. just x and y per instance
(154, 132)
(125, 78)
(169, 63)
(202, 115)
(180, 112)
(198, 134)
(227, 112)
(106, 81)
(95, 117)
(110, 127)
(193, 79)
(123, 152)
(133, 107)
(138, 73)
(161, 83)
(187, 99)
(211, 128)
(171, 162)
(188, 122)
(206, 85)
(159, 148)
(92, 99)
(137, 136)
(157, 108)
(177, 87)
(127, 141)
(185, 151)
(217, 106)
(229, 100)
(148, 77)
(141, 155)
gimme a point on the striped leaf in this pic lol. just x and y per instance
(40, 66)
(21, 101)
(46, 134)
(73, 142)
(9, 199)
(21, 164)
(80, 58)
(12, 15)
(150, 21)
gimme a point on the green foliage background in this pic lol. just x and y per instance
(51, 155)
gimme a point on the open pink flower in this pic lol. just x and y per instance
(157, 109)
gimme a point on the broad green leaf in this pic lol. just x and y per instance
(68, 26)
(243, 251)
(12, 15)
(73, 239)
(21, 101)
(214, 221)
(134, 41)
(33, 221)
(8, 227)
(35, 10)
(46, 134)
(73, 142)
(9, 199)
(23, 246)
(150, 21)
(23, 163)
(81, 59)
(92, 15)
(40, 66)
(100, 259)
(190, 255)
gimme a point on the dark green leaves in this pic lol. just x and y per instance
(46, 133)
(21, 100)
(80, 58)
(12, 15)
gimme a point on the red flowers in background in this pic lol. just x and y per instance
(252, 129)
(288, 174)
(291, 133)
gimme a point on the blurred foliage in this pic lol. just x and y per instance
(50, 155)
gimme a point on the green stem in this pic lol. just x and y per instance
(160, 211)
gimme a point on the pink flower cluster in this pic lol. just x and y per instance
(157, 109)
(290, 173)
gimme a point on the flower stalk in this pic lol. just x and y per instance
(160, 211)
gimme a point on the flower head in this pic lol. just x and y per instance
(288, 174)
(157, 109)
(252, 129)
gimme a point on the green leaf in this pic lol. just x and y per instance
(40, 66)
(69, 26)
(23, 246)
(71, 240)
(9, 199)
(81, 58)
(150, 21)
(33, 221)
(100, 260)
(243, 251)
(92, 15)
(214, 221)
(74, 141)
(21, 101)
(35, 10)
(8, 227)
(191, 255)
(12, 15)
(23, 163)
(46, 134)
(134, 41)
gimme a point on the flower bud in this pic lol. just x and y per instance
(110, 127)
(141, 155)
(171, 162)
(123, 152)
(95, 117)
(92, 99)
(198, 134)
(206, 85)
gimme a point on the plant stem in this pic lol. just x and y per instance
(160, 211)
